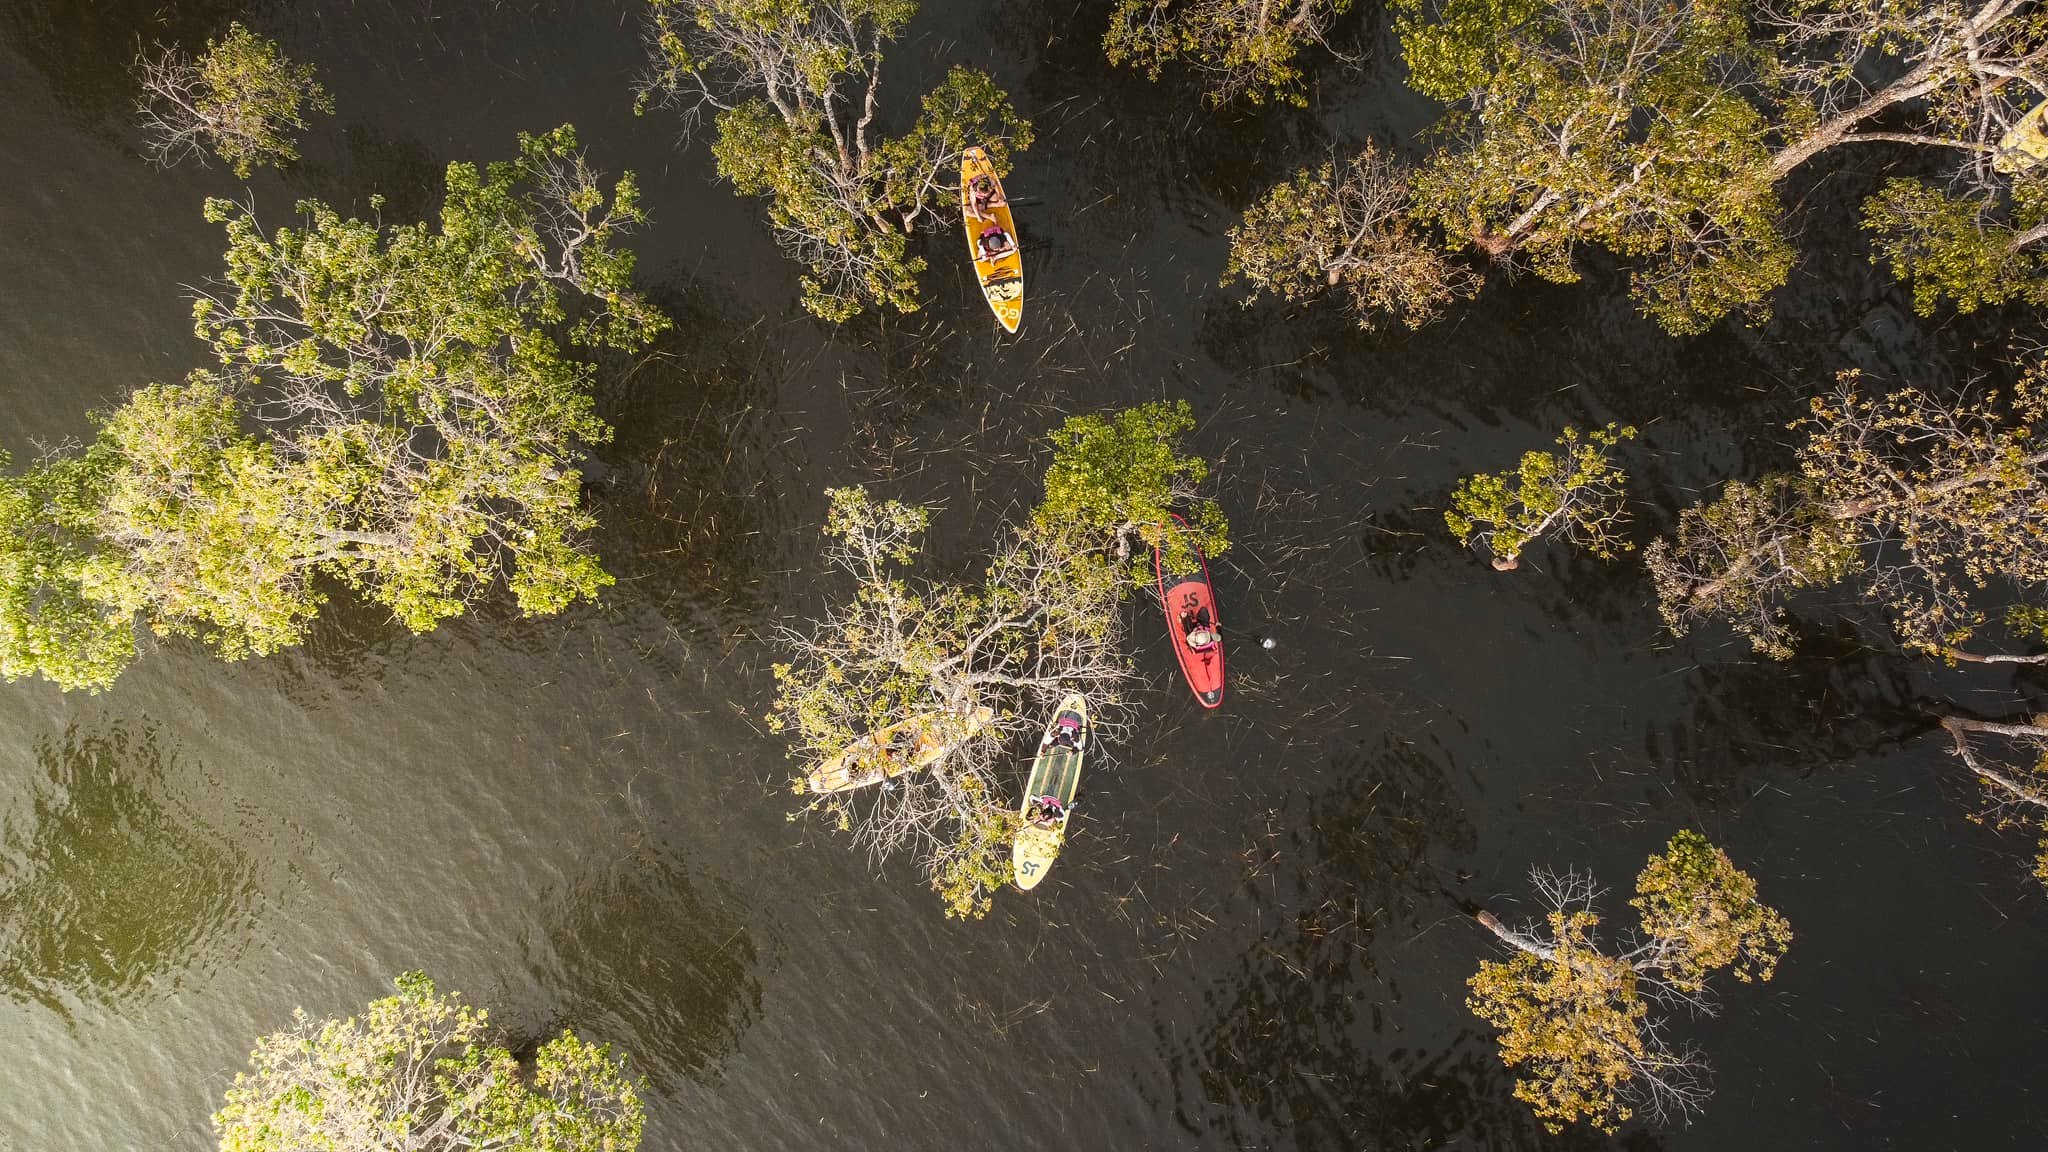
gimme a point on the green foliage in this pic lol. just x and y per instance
(422, 423)
(441, 336)
(855, 263)
(1603, 124)
(968, 871)
(1738, 557)
(2028, 620)
(204, 531)
(1703, 914)
(1574, 1019)
(1950, 247)
(1042, 622)
(1347, 225)
(872, 681)
(1117, 480)
(1243, 48)
(1575, 493)
(1926, 500)
(252, 94)
(418, 1071)
(792, 88)
(242, 98)
(49, 625)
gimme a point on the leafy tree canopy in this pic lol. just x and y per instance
(1924, 501)
(418, 1071)
(1661, 132)
(1573, 1021)
(792, 88)
(242, 98)
(1575, 493)
(422, 425)
(1118, 479)
(1042, 620)
(1581, 1024)
(1348, 224)
(1246, 48)
(49, 626)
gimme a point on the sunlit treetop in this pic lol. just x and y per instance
(1120, 478)
(396, 408)
(420, 1071)
(1575, 493)
(1240, 48)
(1581, 1024)
(242, 98)
(793, 91)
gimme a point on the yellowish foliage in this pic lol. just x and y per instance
(1703, 914)
(1572, 1024)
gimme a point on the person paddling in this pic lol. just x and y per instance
(995, 242)
(983, 198)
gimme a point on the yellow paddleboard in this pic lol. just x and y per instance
(1002, 278)
(905, 746)
(2026, 145)
(1056, 772)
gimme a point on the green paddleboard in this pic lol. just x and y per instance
(1055, 772)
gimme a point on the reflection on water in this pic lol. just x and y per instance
(1752, 718)
(110, 887)
(83, 47)
(685, 507)
(1280, 1054)
(664, 969)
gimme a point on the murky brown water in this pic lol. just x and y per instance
(1254, 939)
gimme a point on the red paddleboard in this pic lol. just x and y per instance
(1190, 603)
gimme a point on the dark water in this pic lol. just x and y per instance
(1254, 939)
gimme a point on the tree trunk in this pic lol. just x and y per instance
(1850, 509)
(2017, 791)
(1519, 941)
(1994, 657)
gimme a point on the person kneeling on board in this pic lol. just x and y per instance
(1067, 735)
(983, 197)
(996, 242)
(1201, 631)
(1046, 812)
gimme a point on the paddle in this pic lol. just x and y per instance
(1266, 642)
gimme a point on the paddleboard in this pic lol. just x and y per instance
(1001, 278)
(1188, 599)
(905, 746)
(1055, 772)
(2026, 144)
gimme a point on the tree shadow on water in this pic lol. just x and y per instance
(83, 48)
(1281, 1059)
(687, 511)
(660, 964)
(1751, 719)
(111, 888)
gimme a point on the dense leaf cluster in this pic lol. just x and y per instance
(792, 88)
(418, 1071)
(422, 427)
